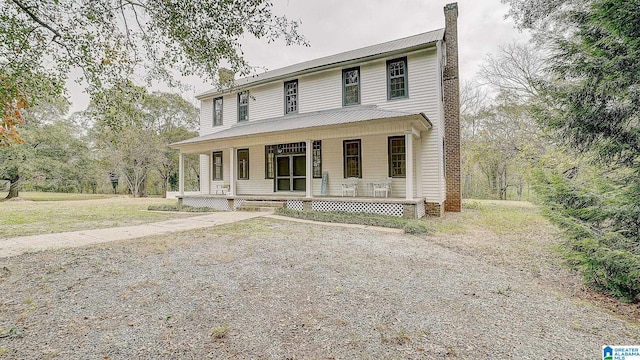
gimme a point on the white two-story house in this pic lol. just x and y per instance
(374, 130)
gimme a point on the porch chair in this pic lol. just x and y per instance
(350, 186)
(382, 187)
(222, 189)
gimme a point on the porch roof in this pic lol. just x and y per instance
(309, 120)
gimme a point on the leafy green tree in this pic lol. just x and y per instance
(591, 103)
(51, 156)
(111, 40)
(132, 129)
(501, 141)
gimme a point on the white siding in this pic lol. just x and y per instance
(229, 112)
(257, 184)
(266, 101)
(323, 91)
(374, 166)
(229, 117)
(430, 164)
(225, 171)
(320, 91)
(206, 117)
(422, 76)
(204, 171)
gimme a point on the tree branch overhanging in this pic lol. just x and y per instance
(34, 17)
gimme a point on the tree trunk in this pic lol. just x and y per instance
(13, 188)
(142, 189)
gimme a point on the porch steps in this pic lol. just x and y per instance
(261, 205)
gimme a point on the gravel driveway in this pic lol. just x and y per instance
(272, 289)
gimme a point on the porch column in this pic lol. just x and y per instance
(232, 172)
(205, 182)
(181, 174)
(408, 148)
(309, 172)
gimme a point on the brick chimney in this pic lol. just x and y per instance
(226, 77)
(451, 85)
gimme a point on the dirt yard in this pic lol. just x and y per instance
(272, 289)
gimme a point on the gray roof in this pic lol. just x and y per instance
(302, 121)
(373, 51)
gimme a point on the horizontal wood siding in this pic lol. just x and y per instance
(431, 160)
(266, 101)
(206, 116)
(374, 165)
(423, 81)
(320, 91)
(204, 169)
(257, 184)
(229, 114)
(225, 171)
(323, 91)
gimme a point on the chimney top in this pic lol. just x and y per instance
(225, 77)
(451, 8)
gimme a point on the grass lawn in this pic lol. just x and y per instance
(51, 196)
(52, 213)
(512, 233)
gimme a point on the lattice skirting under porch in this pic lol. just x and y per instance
(356, 207)
(295, 205)
(398, 209)
(214, 203)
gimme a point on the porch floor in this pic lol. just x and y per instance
(376, 205)
(299, 197)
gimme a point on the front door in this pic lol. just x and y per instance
(290, 173)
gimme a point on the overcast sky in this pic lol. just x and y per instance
(333, 26)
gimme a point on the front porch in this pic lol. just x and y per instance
(372, 205)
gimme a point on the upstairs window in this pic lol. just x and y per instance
(352, 159)
(291, 97)
(217, 111)
(243, 106)
(397, 157)
(351, 86)
(397, 79)
(217, 165)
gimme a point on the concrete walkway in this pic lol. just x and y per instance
(23, 244)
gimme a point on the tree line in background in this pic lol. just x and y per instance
(123, 135)
(563, 128)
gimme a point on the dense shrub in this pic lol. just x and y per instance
(177, 207)
(602, 228)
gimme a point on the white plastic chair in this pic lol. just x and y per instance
(350, 186)
(382, 187)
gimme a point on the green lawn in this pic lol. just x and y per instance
(52, 213)
(51, 196)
